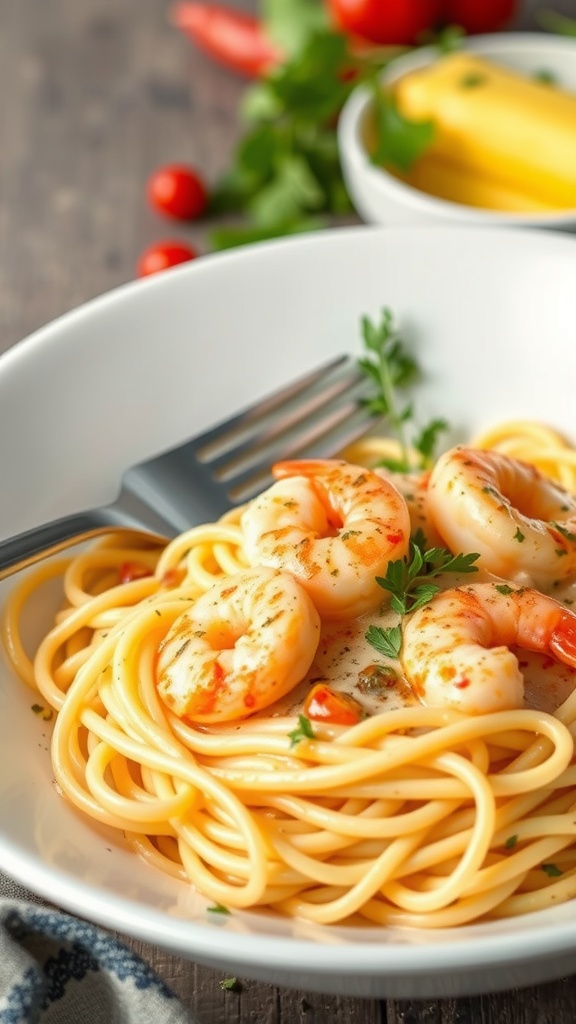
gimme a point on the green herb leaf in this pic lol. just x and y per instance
(293, 188)
(545, 77)
(46, 714)
(552, 870)
(230, 238)
(303, 731)
(440, 560)
(504, 589)
(419, 540)
(408, 579)
(398, 141)
(421, 595)
(449, 39)
(426, 442)
(511, 842)
(564, 531)
(553, 21)
(218, 908)
(230, 984)
(472, 80)
(286, 169)
(386, 641)
(291, 23)
(391, 368)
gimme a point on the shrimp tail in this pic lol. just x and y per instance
(304, 467)
(563, 640)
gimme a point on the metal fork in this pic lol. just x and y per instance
(315, 416)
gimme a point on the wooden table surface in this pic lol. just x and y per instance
(94, 95)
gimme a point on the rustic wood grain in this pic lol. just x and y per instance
(95, 94)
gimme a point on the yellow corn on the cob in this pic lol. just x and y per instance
(442, 178)
(503, 132)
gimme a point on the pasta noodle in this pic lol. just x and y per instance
(420, 816)
(535, 443)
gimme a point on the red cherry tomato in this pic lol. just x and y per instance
(474, 17)
(386, 21)
(322, 704)
(177, 191)
(163, 255)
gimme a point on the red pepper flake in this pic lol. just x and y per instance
(173, 577)
(130, 571)
(461, 684)
(395, 538)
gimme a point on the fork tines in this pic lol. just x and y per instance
(314, 417)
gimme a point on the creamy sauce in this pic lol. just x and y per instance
(347, 663)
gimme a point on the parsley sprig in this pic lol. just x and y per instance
(386, 641)
(409, 581)
(303, 731)
(218, 908)
(391, 368)
(552, 870)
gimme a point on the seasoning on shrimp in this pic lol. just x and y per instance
(522, 524)
(456, 649)
(241, 646)
(414, 489)
(335, 526)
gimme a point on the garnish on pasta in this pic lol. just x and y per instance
(392, 368)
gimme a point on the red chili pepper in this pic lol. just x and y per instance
(323, 704)
(234, 38)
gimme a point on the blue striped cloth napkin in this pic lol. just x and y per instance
(58, 969)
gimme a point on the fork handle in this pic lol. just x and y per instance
(33, 545)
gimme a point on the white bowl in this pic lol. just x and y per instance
(381, 198)
(490, 314)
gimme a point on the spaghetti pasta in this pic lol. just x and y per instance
(414, 815)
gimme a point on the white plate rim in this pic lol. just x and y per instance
(280, 953)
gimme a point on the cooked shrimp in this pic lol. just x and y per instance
(522, 525)
(242, 645)
(455, 650)
(334, 526)
(414, 489)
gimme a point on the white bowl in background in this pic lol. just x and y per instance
(381, 198)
